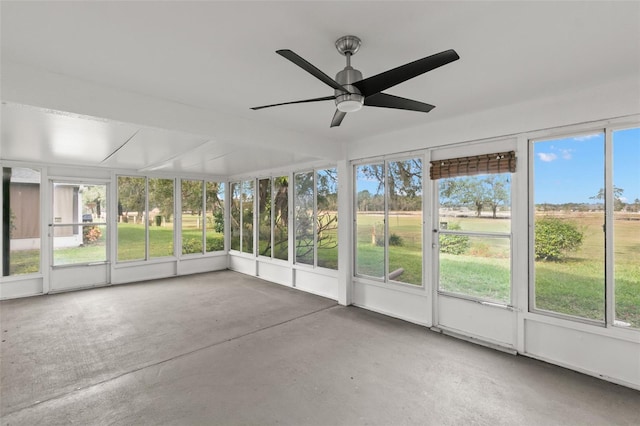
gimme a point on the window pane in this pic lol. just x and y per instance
(235, 216)
(475, 266)
(192, 226)
(405, 221)
(264, 217)
(75, 203)
(215, 216)
(281, 218)
(161, 202)
(247, 216)
(304, 217)
(626, 226)
(79, 244)
(327, 219)
(21, 220)
(132, 194)
(569, 217)
(370, 220)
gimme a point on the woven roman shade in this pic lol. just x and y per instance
(499, 162)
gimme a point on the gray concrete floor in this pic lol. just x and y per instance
(224, 349)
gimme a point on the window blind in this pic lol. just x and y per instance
(499, 162)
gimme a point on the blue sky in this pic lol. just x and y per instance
(572, 169)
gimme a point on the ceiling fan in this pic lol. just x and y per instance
(351, 91)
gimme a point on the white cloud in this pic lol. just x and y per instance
(566, 153)
(547, 156)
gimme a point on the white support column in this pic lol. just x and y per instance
(345, 232)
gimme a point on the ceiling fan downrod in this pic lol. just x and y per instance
(352, 101)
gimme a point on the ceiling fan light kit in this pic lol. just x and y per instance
(352, 92)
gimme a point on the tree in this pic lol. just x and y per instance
(476, 191)
(131, 194)
(618, 204)
(161, 197)
(498, 191)
(93, 197)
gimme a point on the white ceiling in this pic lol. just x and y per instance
(217, 60)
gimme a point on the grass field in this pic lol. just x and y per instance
(574, 286)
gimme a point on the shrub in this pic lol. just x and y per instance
(454, 244)
(394, 240)
(554, 238)
(90, 234)
(215, 243)
(191, 245)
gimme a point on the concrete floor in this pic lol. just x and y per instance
(225, 348)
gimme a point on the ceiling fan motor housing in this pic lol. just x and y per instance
(353, 101)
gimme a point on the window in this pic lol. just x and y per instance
(370, 209)
(215, 216)
(132, 195)
(79, 227)
(316, 218)
(304, 214)
(264, 217)
(192, 216)
(202, 216)
(280, 212)
(273, 206)
(586, 229)
(242, 216)
(474, 237)
(20, 221)
(235, 216)
(626, 226)
(568, 226)
(161, 208)
(389, 220)
(327, 218)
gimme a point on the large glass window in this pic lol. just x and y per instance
(316, 218)
(389, 220)
(474, 218)
(327, 218)
(132, 193)
(370, 211)
(304, 217)
(21, 221)
(247, 216)
(215, 216)
(280, 212)
(235, 216)
(569, 219)
(192, 216)
(273, 206)
(161, 208)
(404, 219)
(626, 226)
(264, 217)
(242, 194)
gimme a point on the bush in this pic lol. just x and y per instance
(215, 243)
(554, 238)
(90, 234)
(454, 244)
(394, 240)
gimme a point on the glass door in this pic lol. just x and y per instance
(473, 245)
(79, 234)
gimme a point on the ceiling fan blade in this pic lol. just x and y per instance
(311, 69)
(378, 83)
(337, 118)
(384, 100)
(304, 101)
